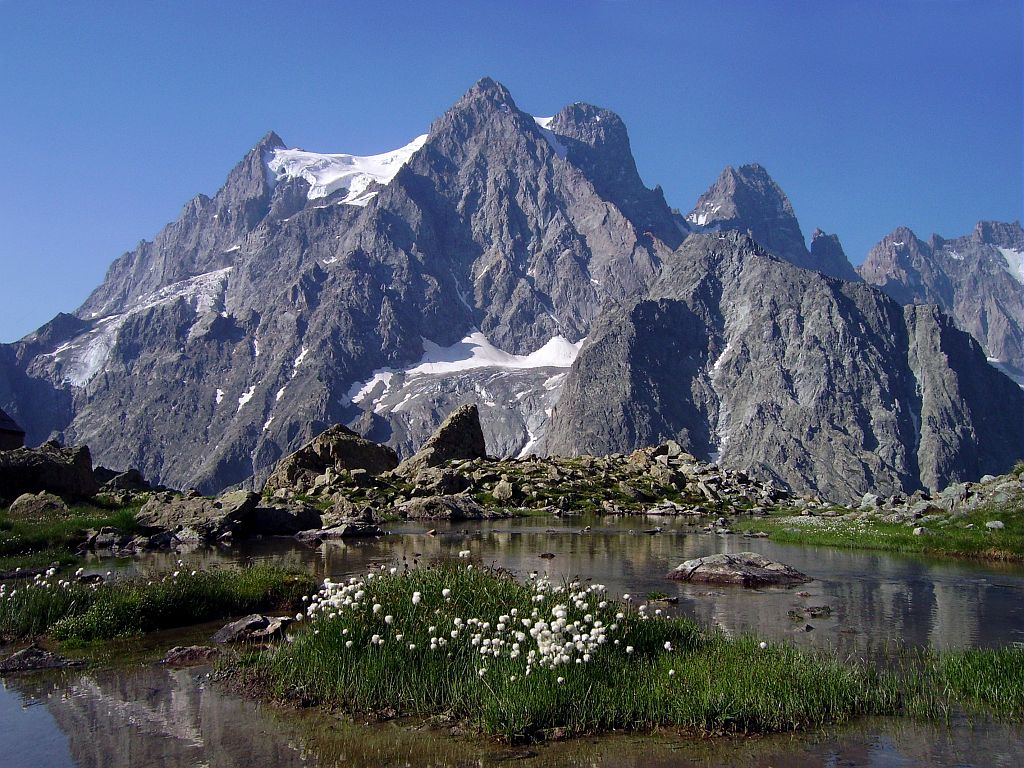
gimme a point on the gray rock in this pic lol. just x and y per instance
(38, 505)
(197, 518)
(252, 627)
(346, 529)
(273, 519)
(50, 467)
(335, 451)
(189, 656)
(747, 569)
(458, 437)
(444, 508)
(995, 525)
(33, 657)
(921, 531)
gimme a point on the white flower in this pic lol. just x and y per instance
(389, 619)
(668, 646)
(298, 617)
(416, 597)
(626, 597)
(561, 680)
(445, 592)
(629, 649)
(464, 553)
(348, 643)
(763, 645)
(671, 673)
(377, 607)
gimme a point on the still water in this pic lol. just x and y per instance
(147, 716)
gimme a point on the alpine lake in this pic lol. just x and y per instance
(128, 711)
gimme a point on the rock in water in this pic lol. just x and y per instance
(189, 656)
(336, 449)
(50, 467)
(35, 657)
(209, 518)
(748, 569)
(458, 437)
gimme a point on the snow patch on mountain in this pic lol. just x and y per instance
(327, 174)
(472, 352)
(1014, 263)
(551, 136)
(86, 355)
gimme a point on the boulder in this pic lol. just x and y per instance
(189, 656)
(129, 480)
(196, 518)
(459, 437)
(349, 529)
(50, 467)
(444, 508)
(995, 525)
(252, 627)
(34, 657)
(747, 569)
(277, 519)
(38, 505)
(337, 449)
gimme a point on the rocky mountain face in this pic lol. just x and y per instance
(976, 278)
(747, 199)
(790, 375)
(259, 317)
(472, 266)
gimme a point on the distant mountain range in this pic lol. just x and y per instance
(520, 263)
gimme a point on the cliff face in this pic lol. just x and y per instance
(822, 384)
(978, 279)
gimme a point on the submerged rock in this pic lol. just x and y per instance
(748, 569)
(188, 656)
(35, 657)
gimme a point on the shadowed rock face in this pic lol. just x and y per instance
(977, 279)
(824, 385)
(51, 467)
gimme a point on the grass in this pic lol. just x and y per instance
(68, 610)
(954, 539)
(601, 666)
(43, 540)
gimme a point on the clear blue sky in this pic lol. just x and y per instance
(870, 115)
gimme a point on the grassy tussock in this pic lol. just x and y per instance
(68, 610)
(24, 539)
(647, 672)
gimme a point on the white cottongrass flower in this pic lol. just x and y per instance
(762, 645)
(416, 597)
(445, 592)
(464, 553)
(389, 619)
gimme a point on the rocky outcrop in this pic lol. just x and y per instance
(823, 385)
(445, 508)
(252, 627)
(64, 471)
(334, 452)
(746, 569)
(38, 505)
(194, 517)
(977, 279)
(458, 437)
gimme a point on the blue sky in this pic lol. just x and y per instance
(870, 115)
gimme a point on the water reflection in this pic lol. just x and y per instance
(155, 717)
(877, 600)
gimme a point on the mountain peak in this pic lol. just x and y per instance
(271, 141)
(488, 91)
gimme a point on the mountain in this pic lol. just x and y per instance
(791, 375)
(310, 281)
(977, 278)
(519, 263)
(747, 199)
